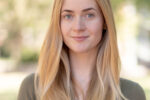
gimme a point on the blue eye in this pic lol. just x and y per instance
(90, 15)
(68, 16)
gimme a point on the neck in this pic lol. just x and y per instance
(82, 65)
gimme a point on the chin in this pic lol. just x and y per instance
(77, 50)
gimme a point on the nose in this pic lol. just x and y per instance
(79, 24)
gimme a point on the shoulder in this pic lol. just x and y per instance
(26, 91)
(132, 90)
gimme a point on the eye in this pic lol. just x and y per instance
(90, 15)
(68, 16)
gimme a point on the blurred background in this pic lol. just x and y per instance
(23, 25)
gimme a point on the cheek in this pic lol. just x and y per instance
(96, 27)
(65, 27)
(65, 30)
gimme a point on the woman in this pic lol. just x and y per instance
(79, 59)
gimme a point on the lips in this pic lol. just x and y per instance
(80, 38)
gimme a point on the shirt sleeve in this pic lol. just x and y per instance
(26, 91)
(132, 90)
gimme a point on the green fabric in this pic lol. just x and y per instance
(130, 89)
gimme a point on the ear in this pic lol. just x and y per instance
(104, 26)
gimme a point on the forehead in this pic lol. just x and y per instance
(79, 4)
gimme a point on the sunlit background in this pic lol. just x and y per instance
(23, 25)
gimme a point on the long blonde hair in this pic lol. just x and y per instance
(53, 79)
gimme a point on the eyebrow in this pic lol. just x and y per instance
(84, 10)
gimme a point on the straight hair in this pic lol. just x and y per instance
(53, 78)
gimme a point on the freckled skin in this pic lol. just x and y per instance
(81, 18)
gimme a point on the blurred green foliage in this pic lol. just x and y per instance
(18, 18)
(116, 3)
(4, 52)
(138, 3)
(29, 55)
(142, 4)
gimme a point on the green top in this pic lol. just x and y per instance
(130, 89)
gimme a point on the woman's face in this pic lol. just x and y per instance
(81, 24)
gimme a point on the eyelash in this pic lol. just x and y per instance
(65, 16)
(89, 15)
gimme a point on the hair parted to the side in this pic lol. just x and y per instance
(53, 79)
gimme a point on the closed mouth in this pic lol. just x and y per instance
(80, 38)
